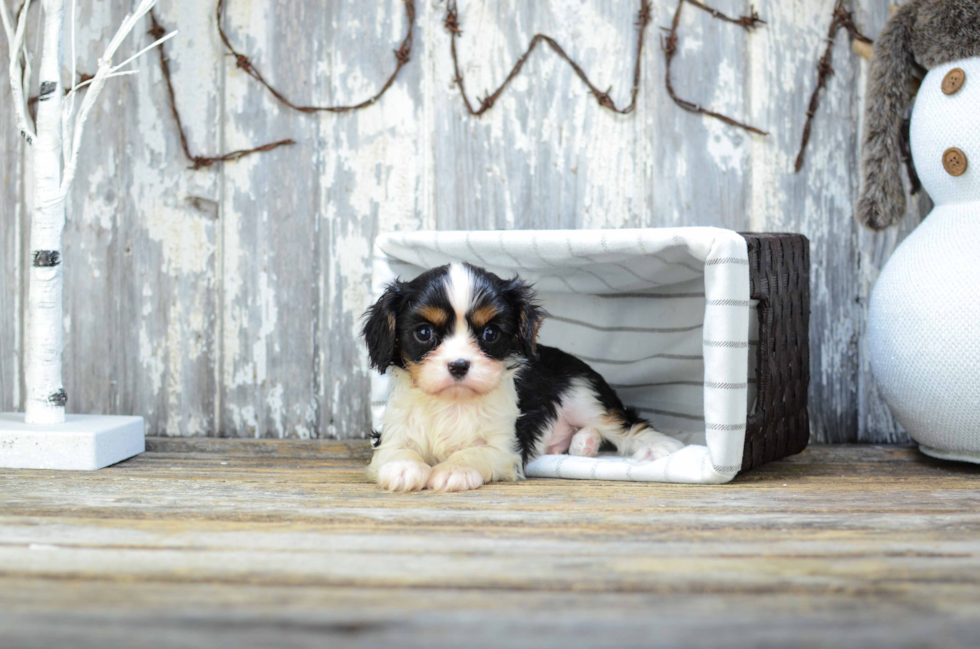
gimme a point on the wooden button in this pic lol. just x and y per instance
(953, 81)
(955, 162)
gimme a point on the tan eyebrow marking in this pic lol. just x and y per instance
(434, 314)
(483, 315)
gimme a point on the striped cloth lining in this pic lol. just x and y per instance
(662, 314)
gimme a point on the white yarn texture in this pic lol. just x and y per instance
(662, 314)
(924, 322)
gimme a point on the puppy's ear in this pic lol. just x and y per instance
(380, 328)
(524, 300)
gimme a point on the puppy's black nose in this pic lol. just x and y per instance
(459, 368)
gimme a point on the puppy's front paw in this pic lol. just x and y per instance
(585, 443)
(658, 449)
(404, 475)
(454, 478)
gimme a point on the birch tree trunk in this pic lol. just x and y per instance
(45, 391)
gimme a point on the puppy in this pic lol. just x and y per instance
(472, 396)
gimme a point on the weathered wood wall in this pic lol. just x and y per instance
(225, 301)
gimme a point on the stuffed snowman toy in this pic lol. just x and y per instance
(924, 321)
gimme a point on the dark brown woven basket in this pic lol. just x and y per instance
(779, 266)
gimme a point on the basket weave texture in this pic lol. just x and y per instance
(779, 267)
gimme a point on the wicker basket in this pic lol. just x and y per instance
(662, 315)
(780, 277)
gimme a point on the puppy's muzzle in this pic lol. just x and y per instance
(459, 368)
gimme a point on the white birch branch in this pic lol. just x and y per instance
(56, 150)
(73, 130)
(69, 104)
(16, 69)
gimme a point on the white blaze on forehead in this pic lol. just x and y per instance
(485, 373)
(459, 287)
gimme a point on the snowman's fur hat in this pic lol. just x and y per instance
(921, 33)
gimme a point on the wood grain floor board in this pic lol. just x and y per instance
(209, 543)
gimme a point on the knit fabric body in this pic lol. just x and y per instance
(924, 322)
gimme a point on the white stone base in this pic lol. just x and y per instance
(82, 443)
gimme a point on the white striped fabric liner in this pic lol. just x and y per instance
(663, 314)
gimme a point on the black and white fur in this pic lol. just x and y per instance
(472, 396)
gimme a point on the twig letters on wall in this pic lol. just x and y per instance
(454, 27)
(402, 56)
(199, 161)
(841, 18)
(669, 45)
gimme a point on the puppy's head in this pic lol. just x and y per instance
(455, 329)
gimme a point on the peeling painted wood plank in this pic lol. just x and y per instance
(370, 168)
(226, 302)
(141, 236)
(819, 200)
(269, 229)
(699, 169)
(546, 156)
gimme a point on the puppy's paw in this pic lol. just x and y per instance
(585, 443)
(404, 475)
(658, 449)
(454, 478)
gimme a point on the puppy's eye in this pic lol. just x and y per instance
(423, 334)
(490, 334)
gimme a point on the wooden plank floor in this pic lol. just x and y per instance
(211, 543)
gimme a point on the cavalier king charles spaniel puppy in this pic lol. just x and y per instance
(473, 398)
